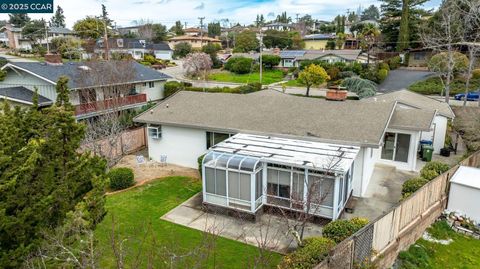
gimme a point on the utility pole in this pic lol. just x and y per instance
(261, 48)
(297, 16)
(201, 30)
(105, 38)
(185, 25)
(46, 38)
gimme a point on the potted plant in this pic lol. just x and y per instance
(337, 93)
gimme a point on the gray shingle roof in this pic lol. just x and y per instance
(416, 100)
(23, 94)
(72, 70)
(60, 30)
(349, 122)
(412, 119)
(350, 55)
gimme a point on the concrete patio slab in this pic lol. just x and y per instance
(270, 231)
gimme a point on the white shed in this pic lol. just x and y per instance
(465, 192)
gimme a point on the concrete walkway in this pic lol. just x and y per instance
(268, 230)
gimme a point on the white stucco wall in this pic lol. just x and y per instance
(363, 168)
(182, 146)
(28, 81)
(163, 54)
(465, 200)
(153, 94)
(412, 153)
(438, 133)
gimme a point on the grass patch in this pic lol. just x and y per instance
(137, 213)
(296, 83)
(463, 252)
(433, 85)
(268, 77)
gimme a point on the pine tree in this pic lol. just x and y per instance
(18, 19)
(58, 20)
(105, 17)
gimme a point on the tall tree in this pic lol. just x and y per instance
(404, 30)
(312, 75)
(43, 177)
(105, 17)
(246, 41)
(283, 18)
(18, 19)
(277, 39)
(177, 28)
(159, 32)
(214, 29)
(34, 30)
(90, 27)
(370, 13)
(259, 21)
(58, 19)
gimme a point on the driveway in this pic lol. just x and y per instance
(270, 231)
(401, 79)
(13, 59)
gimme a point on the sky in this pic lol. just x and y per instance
(126, 12)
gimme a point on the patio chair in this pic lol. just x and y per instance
(163, 160)
(140, 160)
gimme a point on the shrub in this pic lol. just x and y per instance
(395, 62)
(476, 73)
(333, 72)
(182, 49)
(383, 66)
(433, 169)
(338, 230)
(346, 74)
(412, 185)
(149, 58)
(314, 250)
(200, 161)
(239, 65)
(171, 87)
(382, 74)
(269, 61)
(120, 178)
(362, 87)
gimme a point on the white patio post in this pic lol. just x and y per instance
(335, 197)
(204, 188)
(264, 183)
(305, 190)
(252, 193)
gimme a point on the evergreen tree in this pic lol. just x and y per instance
(370, 13)
(177, 28)
(404, 31)
(214, 29)
(105, 17)
(43, 177)
(18, 19)
(58, 20)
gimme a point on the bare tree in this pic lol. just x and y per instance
(197, 64)
(105, 88)
(443, 34)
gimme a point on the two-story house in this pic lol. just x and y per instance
(95, 87)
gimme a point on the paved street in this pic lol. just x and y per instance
(13, 59)
(401, 79)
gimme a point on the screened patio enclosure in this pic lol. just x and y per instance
(246, 172)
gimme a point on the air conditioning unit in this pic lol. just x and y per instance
(154, 131)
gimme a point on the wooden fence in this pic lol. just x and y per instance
(129, 141)
(381, 240)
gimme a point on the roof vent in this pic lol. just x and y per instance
(84, 67)
(167, 105)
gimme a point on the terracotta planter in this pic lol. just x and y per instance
(337, 95)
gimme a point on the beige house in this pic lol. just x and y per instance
(197, 42)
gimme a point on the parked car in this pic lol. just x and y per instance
(472, 96)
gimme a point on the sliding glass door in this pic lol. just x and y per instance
(396, 147)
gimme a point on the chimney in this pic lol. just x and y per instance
(53, 59)
(276, 51)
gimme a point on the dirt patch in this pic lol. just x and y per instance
(467, 123)
(147, 172)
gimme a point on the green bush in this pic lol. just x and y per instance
(383, 66)
(149, 58)
(333, 72)
(200, 161)
(394, 62)
(239, 65)
(171, 87)
(382, 74)
(269, 61)
(346, 74)
(121, 178)
(182, 49)
(339, 230)
(314, 250)
(434, 85)
(476, 73)
(412, 185)
(433, 169)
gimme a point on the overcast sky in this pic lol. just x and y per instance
(124, 12)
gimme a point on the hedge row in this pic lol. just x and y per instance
(429, 172)
(172, 87)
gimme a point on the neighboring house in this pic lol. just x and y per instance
(3, 39)
(17, 41)
(317, 41)
(135, 47)
(464, 192)
(129, 30)
(88, 98)
(21, 96)
(260, 156)
(192, 31)
(278, 26)
(292, 58)
(419, 57)
(412, 100)
(197, 42)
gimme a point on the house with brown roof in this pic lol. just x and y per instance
(197, 42)
(267, 148)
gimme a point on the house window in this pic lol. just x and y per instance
(320, 190)
(154, 131)
(215, 181)
(151, 84)
(419, 56)
(258, 184)
(144, 84)
(239, 186)
(215, 138)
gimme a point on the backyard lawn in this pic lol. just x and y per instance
(268, 77)
(462, 252)
(434, 86)
(137, 214)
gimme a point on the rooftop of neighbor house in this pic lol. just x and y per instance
(273, 113)
(415, 100)
(467, 176)
(131, 43)
(314, 54)
(285, 151)
(188, 37)
(319, 37)
(75, 72)
(60, 30)
(23, 95)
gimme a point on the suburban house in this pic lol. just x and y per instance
(317, 41)
(137, 48)
(412, 100)
(292, 58)
(129, 30)
(197, 42)
(419, 57)
(192, 31)
(278, 26)
(17, 41)
(92, 89)
(268, 148)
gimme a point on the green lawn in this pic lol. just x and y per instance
(137, 213)
(268, 77)
(434, 85)
(463, 252)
